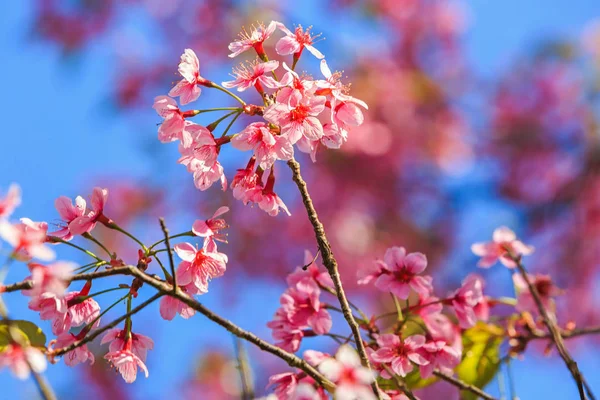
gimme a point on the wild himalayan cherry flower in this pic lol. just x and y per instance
(28, 239)
(546, 289)
(351, 378)
(469, 303)
(295, 42)
(199, 266)
(126, 362)
(294, 87)
(174, 126)
(504, 241)
(304, 309)
(189, 68)
(254, 74)
(79, 355)
(53, 278)
(87, 222)
(140, 344)
(440, 327)
(284, 384)
(19, 359)
(68, 213)
(267, 199)
(254, 39)
(440, 356)
(65, 312)
(267, 147)
(311, 278)
(209, 229)
(286, 334)
(397, 273)
(170, 306)
(299, 118)
(306, 391)
(399, 353)
(246, 183)
(11, 201)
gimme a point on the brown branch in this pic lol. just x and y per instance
(463, 385)
(330, 264)
(399, 383)
(23, 285)
(555, 335)
(565, 334)
(168, 244)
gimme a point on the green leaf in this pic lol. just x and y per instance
(481, 356)
(30, 333)
(415, 381)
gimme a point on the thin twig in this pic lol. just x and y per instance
(331, 265)
(463, 385)
(555, 335)
(168, 244)
(244, 369)
(401, 385)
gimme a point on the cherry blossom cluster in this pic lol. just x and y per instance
(296, 110)
(425, 339)
(67, 310)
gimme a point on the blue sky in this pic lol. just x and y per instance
(58, 132)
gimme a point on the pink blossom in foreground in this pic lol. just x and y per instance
(299, 118)
(284, 385)
(28, 239)
(440, 356)
(399, 271)
(400, 353)
(68, 212)
(169, 306)
(76, 356)
(254, 39)
(253, 75)
(294, 87)
(504, 243)
(314, 357)
(189, 68)
(267, 147)
(308, 280)
(305, 310)
(295, 42)
(126, 362)
(246, 183)
(19, 359)
(87, 222)
(306, 391)
(209, 229)
(440, 327)
(351, 378)
(287, 335)
(11, 201)
(545, 288)
(469, 303)
(53, 278)
(267, 199)
(139, 344)
(198, 266)
(173, 127)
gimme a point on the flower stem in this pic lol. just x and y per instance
(188, 233)
(222, 89)
(116, 227)
(55, 239)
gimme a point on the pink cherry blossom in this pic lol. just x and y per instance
(253, 75)
(189, 68)
(287, 335)
(305, 310)
(294, 87)
(170, 306)
(440, 356)
(400, 353)
(440, 327)
(76, 356)
(28, 239)
(126, 362)
(284, 384)
(209, 229)
(545, 288)
(314, 357)
(139, 344)
(21, 360)
(399, 271)
(11, 201)
(68, 213)
(469, 303)
(199, 266)
(306, 391)
(267, 147)
(254, 39)
(299, 118)
(53, 278)
(504, 242)
(309, 279)
(295, 42)
(174, 126)
(246, 183)
(351, 378)
(87, 222)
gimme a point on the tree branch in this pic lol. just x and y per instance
(555, 335)
(463, 385)
(331, 264)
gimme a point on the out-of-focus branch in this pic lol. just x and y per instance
(553, 329)
(330, 264)
(244, 369)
